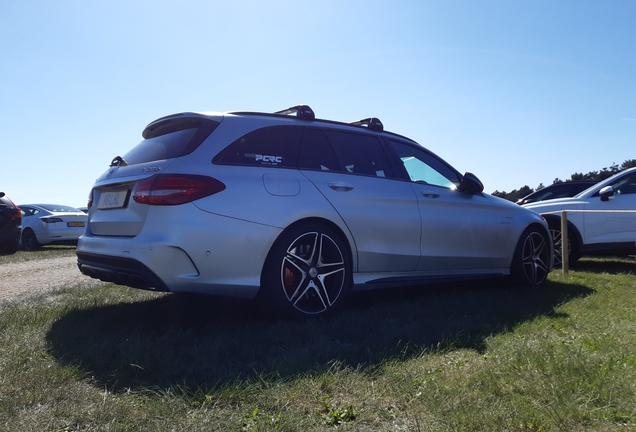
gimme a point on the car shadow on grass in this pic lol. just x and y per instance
(611, 265)
(195, 342)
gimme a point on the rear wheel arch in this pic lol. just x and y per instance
(287, 273)
(29, 240)
(325, 222)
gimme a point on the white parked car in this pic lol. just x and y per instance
(51, 224)
(601, 219)
(298, 211)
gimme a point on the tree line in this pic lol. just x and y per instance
(596, 176)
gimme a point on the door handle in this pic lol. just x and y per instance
(340, 186)
(430, 195)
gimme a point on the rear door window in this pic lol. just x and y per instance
(334, 150)
(316, 152)
(274, 146)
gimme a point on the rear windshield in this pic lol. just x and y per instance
(60, 208)
(178, 140)
(5, 202)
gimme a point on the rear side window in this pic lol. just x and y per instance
(360, 154)
(28, 211)
(316, 152)
(274, 146)
(171, 139)
(6, 203)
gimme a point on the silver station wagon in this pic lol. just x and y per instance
(297, 212)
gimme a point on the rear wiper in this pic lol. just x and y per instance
(118, 161)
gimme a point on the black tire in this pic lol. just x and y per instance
(8, 248)
(29, 240)
(573, 247)
(307, 272)
(530, 265)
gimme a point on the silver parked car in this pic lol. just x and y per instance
(51, 224)
(297, 211)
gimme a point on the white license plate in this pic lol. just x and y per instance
(111, 200)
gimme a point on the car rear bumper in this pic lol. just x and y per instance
(59, 237)
(121, 271)
(213, 255)
(10, 235)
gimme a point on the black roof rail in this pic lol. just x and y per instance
(372, 123)
(302, 111)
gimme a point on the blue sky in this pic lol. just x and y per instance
(517, 92)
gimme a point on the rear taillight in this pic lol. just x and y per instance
(18, 212)
(51, 219)
(89, 204)
(15, 215)
(174, 189)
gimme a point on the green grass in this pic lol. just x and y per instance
(43, 253)
(469, 357)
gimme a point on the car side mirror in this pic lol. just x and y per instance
(471, 184)
(606, 193)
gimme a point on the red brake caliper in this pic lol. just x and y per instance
(288, 277)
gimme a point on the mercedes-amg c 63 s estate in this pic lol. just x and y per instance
(297, 211)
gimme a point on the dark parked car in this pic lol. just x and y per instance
(10, 225)
(557, 190)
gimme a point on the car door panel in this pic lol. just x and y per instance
(612, 221)
(382, 215)
(459, 230)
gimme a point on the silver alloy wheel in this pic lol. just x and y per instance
(313, 273)
(534, 258)
(558, 248)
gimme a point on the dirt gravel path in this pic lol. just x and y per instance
(29, 277)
